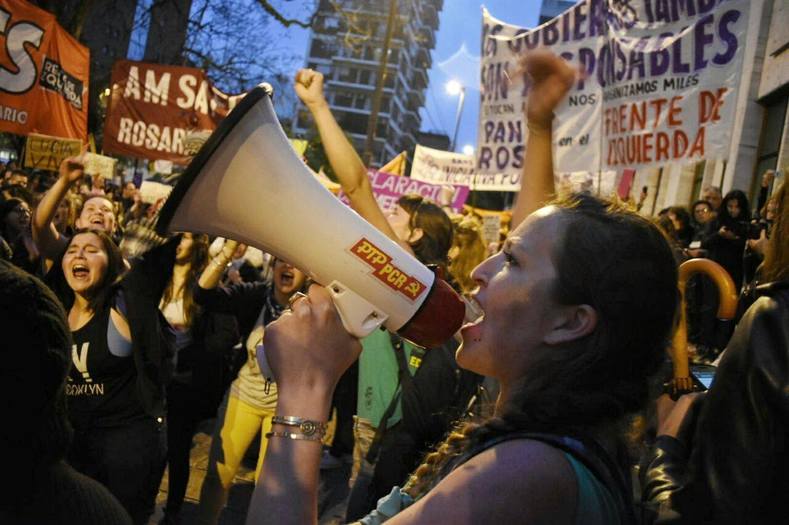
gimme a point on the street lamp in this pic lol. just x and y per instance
(454, 87)
(468, 149)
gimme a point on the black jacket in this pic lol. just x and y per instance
(736, 467)
(152, 344)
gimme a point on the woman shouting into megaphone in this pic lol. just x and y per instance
(571, 330)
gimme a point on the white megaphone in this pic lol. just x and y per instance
(247, 183)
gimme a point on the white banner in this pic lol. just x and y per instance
(660, 86)
(442, 167)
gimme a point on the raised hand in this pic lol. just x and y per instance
(73, 168)
(551, 78)
(228, 249)
(308, 347)
(309, 86)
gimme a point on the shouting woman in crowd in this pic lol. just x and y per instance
(120, 366)
(249, 404)
(577, 313)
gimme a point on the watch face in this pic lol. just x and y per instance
(308, 428)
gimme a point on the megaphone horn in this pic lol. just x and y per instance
(247, 183)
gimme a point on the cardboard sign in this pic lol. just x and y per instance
(491, 227)
(100, 165)
(660, 86)
(154, 109)
(43, 152)
(443, 167)
(43, 74)
(151, 191)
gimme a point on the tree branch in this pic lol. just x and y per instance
(287, 22)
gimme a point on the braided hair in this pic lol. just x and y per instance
(621, 265)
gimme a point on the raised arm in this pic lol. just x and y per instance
(551, 78)
(341, 154)
(49, 242)
(214, 270)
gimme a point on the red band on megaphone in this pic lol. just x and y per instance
(439, 317)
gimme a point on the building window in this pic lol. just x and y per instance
(364, 77)
(322, 49)
(360, 102)
(354, 123)
(343, 99)
(346, 74)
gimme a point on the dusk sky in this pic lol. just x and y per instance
(460, 25)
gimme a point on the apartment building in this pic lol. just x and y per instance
(346, 45)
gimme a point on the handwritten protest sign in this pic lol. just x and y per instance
(388, 188)
(100, 165)
(43, 152)
(660, 85)
(442, 167)
(151, 191)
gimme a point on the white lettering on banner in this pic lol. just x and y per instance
(80, 360)
(132, 88)
(156, 92)
(17, 37)
(186, 84)
(659, 86)
(10, 114)
(151, 136)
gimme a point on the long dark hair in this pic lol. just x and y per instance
(723, 212)
(620, 264)
(105, 290)
(433, 247)
(198, 258)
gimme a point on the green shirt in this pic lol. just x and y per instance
(378, 377)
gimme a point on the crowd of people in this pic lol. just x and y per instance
(537, 411)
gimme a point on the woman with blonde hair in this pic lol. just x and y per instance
(468, 250)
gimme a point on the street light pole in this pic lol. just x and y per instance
(462, 92)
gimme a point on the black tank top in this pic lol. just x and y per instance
(101, 387)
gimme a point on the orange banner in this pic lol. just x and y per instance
(43, 74)
(156, 109)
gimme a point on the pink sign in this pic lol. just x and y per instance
(388, 188)
(628, 174)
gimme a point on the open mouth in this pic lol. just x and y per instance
(97, 221)
(80, 271)
(286, 278)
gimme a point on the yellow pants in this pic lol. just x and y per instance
(237, 425)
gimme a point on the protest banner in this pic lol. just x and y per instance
(443, 167)
(155, 108)
(100, 165)
(152, 191)
(660, 86)
(387, 188)
(43, 74)
(43, 152)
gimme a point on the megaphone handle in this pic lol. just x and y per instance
(359, 316)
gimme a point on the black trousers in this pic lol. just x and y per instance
(187, 407)
(126, 459)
